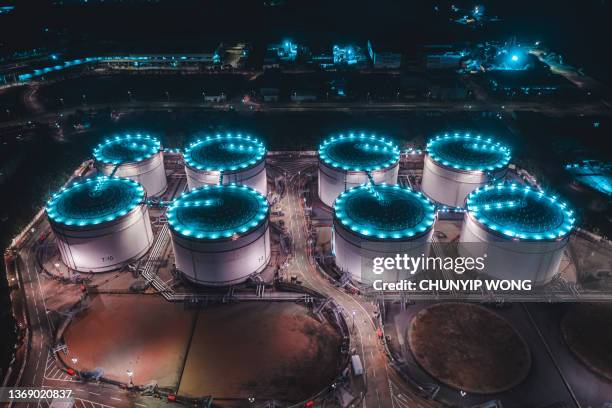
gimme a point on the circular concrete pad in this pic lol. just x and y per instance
(469, 347)
(587, 330)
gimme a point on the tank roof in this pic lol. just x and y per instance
(384, 211)
(218, 212)
(464, 151)
(520, 212)
(359, 152)
(127, 148)
(224, 152)
(94, 201)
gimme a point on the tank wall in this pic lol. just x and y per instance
(150, 173)
(106, 247)
(450, 187)
(333, 181)
(254, 177)
(537, 261)
(355, 255)
(225, 263)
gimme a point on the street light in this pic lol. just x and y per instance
(130, 374)
(130, 96)
(168, 96)
(354, 313)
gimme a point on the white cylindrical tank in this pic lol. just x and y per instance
(521, 230)
(457, 164)
(135, 156)
(349, 160)
(220, 234)
(100, 224)
(233, 157)
(380, 221)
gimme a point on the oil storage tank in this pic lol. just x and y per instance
(457, 164)
(220, 234)
(374, 221)
(136, 156)
(101, 223)
(352, 159)
(520, 231)
(227, 158)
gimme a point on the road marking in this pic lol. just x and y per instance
(115, 398)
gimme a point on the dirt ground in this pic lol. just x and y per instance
(267, 350)
(144, 334)
(469, 347)
(587, 330)
(264, 350)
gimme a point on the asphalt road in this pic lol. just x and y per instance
(384, 387)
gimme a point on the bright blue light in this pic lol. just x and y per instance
(349, 55)
(217, 212)
(222, 152)
(95, 200)
(391, 212)
(515, 58)
(359, 152)
(127, 148)
(520, 212)
(464, 151)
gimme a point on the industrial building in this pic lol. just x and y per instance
(352, 159)
(137, 156)
(380, 221)
(450, 60)
(220, 234)
(101, 223)
(225, 159)
(384, 58)
(529, 83)
(521, 230)
(456, 164)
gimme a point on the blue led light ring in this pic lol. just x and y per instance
(215, 196)
(383, 152)
(244, 150)
(492, 155)
(390, 193)
(488, 204)
(127, 148)
(124, 195)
